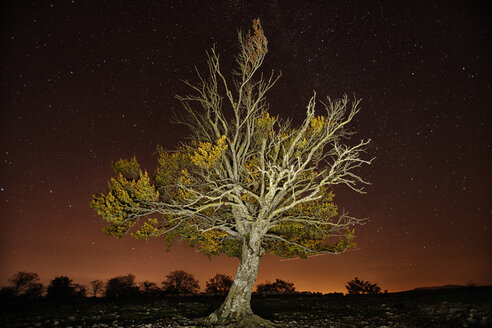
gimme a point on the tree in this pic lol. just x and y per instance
(26, 284)
(219, 284)
(357, 286)
(180, 283)
(121, 287)
(61, 289)
(79, 290)
(149, 289)
(97, 286)
(248, 182)
(278, 287)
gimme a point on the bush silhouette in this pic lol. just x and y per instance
(24, 284)
(149, 289)
(121, 287)
(180, 283)
(219, 284)
(79, 290)
(97, 287)
(357, 286)
(62, 289)
(277, 287)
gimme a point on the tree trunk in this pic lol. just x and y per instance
(236, 309)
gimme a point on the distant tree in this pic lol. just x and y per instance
(149, 289)
(277, 287)
(220, 284)
(97, 287)
(121, 287)
(79, 290)
(180, 282)
(61, 289)
(372, 289)
(357, 286)
(26, 284)
(335, 294)
(35, 291)
(309, 293)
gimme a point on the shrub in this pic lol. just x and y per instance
(149, 289)
(357, 286)
(220, 284)
(277, 287)
(180, 283)
(62, 289)
(121, 287)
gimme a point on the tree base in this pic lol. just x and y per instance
(246, 321)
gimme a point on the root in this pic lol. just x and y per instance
(246, 321)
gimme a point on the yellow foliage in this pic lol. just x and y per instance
(211, 241)
(149, 229)
(130, 169)
(124, 199)
(317, 124)
(173, 169)
(265, 122)
(252, 173)
(169, 166)
(208, 155)
(309, 235)
(196, 178)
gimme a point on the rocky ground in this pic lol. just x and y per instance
(466, 308)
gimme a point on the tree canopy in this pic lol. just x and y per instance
(62, 288)
(219, 284)
(97, 287)
(243, 168)
(180, 282)
(26, 284)
(121, 287)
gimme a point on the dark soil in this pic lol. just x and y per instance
(464, 307)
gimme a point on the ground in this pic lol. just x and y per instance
(466, 307)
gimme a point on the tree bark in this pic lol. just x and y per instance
(236, 309)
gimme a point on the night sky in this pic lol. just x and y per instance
(85, 83)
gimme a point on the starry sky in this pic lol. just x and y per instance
(85, 83)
